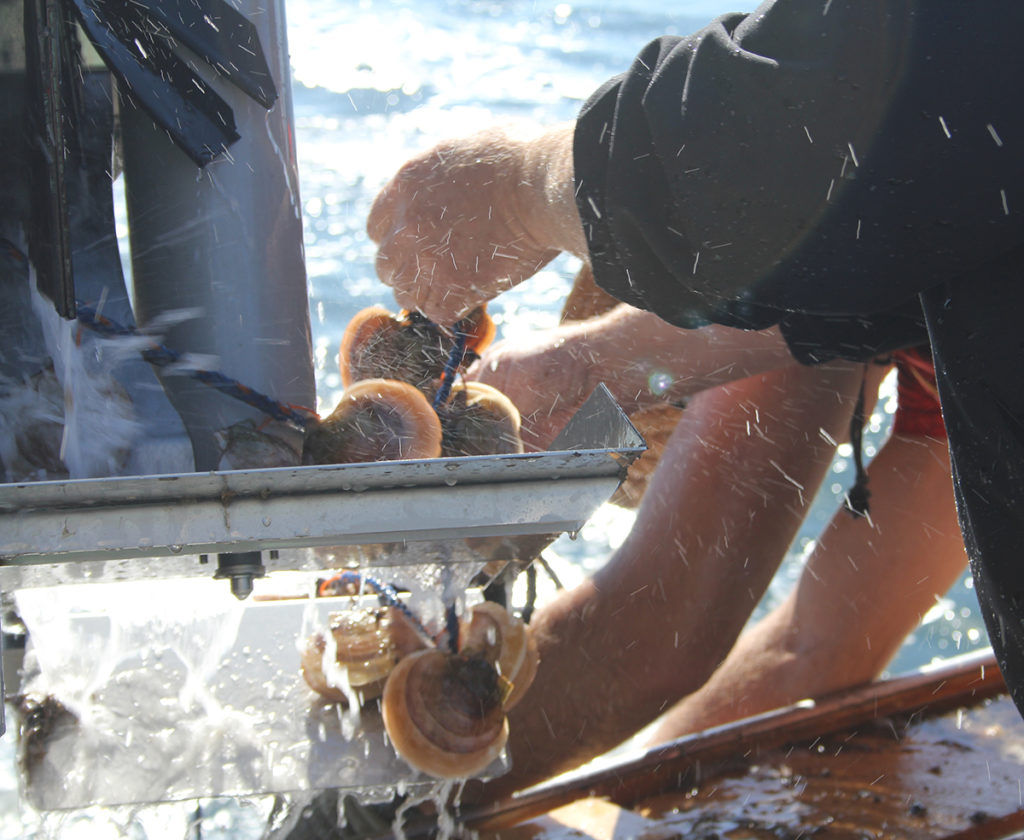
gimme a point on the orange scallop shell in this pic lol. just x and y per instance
(376, 420)
(443, 713)
(479, 420)
(481, 330)
(406, 347)
(378, 345)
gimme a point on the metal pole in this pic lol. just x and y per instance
(226, 243)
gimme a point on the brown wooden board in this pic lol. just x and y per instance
(889, 778)
(926, 755)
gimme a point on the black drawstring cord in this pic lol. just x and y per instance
(858, 495)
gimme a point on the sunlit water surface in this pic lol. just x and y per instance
(374, 82)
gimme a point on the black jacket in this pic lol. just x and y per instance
(816, 164)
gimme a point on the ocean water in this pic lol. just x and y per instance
(375, 81)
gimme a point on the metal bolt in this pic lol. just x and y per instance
(240, 568)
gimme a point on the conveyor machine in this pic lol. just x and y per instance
(183, 691)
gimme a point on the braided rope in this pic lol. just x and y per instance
(452, 365)
(159, 355)
(451, 626)
(454, 362)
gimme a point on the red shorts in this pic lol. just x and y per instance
(917, 397)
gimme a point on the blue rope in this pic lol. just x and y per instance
(451, 624)
(454, 362)
(160, 355)
(385, 592)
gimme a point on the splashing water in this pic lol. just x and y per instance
(99, 424)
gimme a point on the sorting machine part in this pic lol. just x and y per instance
(240, 568)
(165, 526)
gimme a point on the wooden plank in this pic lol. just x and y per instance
(955, 775)
(962, 681)
(585, 819)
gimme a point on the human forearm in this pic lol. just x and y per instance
(641, 359)
(644, 360)
(653, 624)
(855, 602)
(549, 203)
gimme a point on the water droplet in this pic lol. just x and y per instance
(266, 521)
(174, 549)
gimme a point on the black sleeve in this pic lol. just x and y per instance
(814, 339)
(823, 158)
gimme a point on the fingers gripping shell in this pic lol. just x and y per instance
(443, 713)
(490, 631)
(376, 420)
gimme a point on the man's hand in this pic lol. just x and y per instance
(543, 377)
(472, 217)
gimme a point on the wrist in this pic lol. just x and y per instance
(548, 192)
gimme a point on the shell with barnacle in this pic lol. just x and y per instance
(492, 632)
(445, 712)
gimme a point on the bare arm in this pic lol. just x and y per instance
(865, 587)
(642, 359)
(649, 628)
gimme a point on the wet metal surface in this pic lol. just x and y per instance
(350, 504)
(207, 702)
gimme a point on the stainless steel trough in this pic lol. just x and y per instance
(125, 662)
(73, 531)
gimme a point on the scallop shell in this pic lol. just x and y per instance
(367, 645)
(406, 347)
(378, 345)
(376, 420)
(480, 330)
(479, 420)
(491, 632)
(443, 713)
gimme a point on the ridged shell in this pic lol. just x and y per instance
(479, 420)
(443, 713)
(378, 345)
(376, 420)
(406, 347)
(368, 643)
